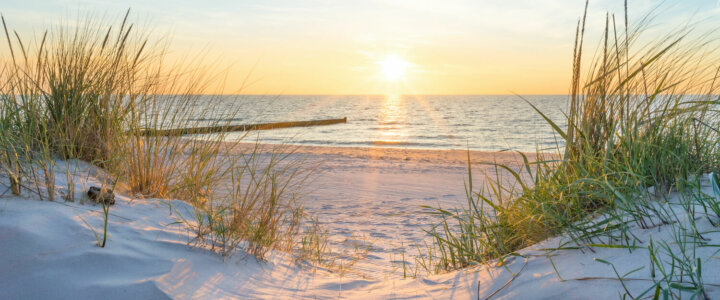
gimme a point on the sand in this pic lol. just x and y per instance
(374, 197)
(370, 196)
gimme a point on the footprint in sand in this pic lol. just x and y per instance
(446, 196)
(430, 198)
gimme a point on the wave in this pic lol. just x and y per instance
(391, 123)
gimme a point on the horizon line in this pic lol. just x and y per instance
(321, 94)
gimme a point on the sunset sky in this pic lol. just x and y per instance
(371, 47)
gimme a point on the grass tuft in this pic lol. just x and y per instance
(91, 90)
(641, 123)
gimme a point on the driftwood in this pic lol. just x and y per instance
(245, 127)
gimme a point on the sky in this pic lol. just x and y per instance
(372, 46)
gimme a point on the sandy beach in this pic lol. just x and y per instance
(365, 197)
(374, 196)
(362, 196)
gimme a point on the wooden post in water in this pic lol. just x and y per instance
(245, 127)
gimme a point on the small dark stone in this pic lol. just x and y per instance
(99, 195)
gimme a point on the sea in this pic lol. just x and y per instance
(475, 122)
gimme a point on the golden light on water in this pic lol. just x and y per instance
(392, 121)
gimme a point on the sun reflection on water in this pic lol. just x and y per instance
(392, 121)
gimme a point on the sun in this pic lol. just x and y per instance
(393, 67)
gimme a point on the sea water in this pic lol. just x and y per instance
(475, 122)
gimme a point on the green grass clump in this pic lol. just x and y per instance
(73, 91)
(91, 91)
(256, 214)
(640, 123)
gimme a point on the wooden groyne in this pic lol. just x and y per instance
(245, 127)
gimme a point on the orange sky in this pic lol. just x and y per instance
(338, 47)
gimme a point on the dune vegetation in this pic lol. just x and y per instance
(642, 122)
(91, 91)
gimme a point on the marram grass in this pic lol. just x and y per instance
(642, 120)
(88, 90)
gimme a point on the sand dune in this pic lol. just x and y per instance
(368, 195)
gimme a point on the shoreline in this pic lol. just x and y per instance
(435, 156)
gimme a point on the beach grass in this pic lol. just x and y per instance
(642, 122)
(91, 90)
